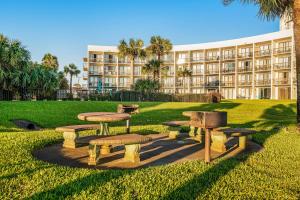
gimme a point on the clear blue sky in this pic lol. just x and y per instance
(65, 27)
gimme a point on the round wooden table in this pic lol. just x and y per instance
(104, 118)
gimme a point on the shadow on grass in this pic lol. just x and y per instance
(200, 183)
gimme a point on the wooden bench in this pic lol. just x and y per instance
(71, 133)
(174, 128)
(132, 144)
(220, 136)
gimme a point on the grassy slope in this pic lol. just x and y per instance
(272, 173)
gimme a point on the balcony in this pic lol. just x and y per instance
(282, 66)
(198, 84)
(124, 61)
(245, 83)
(245, 55)
(96, 60)
(228, 71)
(281, 82)
(139, 62)
(85, 59)
(85, 69)
(263, 53)
(263, 67)
(167, 85)
(245, 70)
(95, 73)
(212, 58)
(110, 85)
(212, 84)
(124, 85)
(196, 60)
(227, 84)
(110, 61)
(85, 78)
(112, 73)
(182, 60)
(263, 82)
(212, 72)
(168, 61)
(229, 57)
(283, 50)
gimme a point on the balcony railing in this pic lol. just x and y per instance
(124, 61)
(280, 66)
(281, 81)
(112, 60)
(212, 58)
(167, 85)
(228, 71)
(85, 59)
(110, 73)
(227, 84)
(168, 61)
(125, 73)
(245, 83)
(96, 60)
(263, 82)
(245, 69)
(182, 60)
(124, 84)
(210, 72)
(263, 67)
(194, 60)
(95, 73)
(263, 53)
(245, 55)
(85, 69)
(212, 84)
(281, 50)
(198, 84)
(229, 57)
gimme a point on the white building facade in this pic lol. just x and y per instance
(258, 67)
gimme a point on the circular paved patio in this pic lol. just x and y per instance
(161, 150)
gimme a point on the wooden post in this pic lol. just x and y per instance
(207, 145)
(128, 126)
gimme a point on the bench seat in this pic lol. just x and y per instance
(220, 137)
(132, 144)
(174, 127)
(71, 133)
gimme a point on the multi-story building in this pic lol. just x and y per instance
(258, 67)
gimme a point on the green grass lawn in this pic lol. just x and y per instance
(272, 173)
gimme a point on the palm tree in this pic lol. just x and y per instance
(72, 70)
(152, 67)
(184, 73)
(270, 9)
(159, 47)
(50, 61)
(132, 50)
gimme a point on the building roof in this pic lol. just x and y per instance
(212, 45)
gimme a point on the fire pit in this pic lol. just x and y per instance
(208, 121)
(130, 109)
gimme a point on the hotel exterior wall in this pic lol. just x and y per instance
(255, 67)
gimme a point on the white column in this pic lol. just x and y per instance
(253, 74)
(236, 72)
(272, 70)
(293, 73)
(117, 81)
(174, 72)
(220, 55)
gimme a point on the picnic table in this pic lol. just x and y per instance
(104, 118)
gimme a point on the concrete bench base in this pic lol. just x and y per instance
(71, 133)
(196, 134)
(220, 137)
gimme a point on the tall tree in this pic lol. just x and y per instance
(62, 81)
(270, 9)
(50, 61)
(71, 70)
(132, 50)
(159, 47)
(184, 73)
(152, 67)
